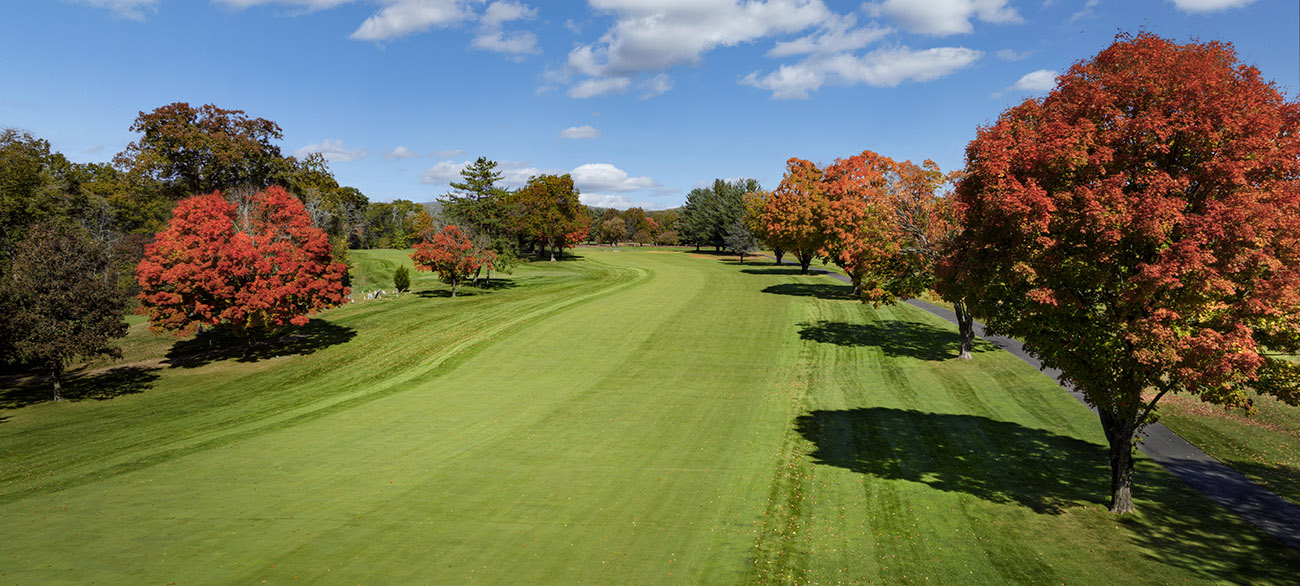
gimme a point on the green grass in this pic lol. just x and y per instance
(630, 417)
(1264, 446)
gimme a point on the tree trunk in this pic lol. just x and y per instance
(966, 329)
(804, 261)
(1119, 434)
(778, 253)
(57, 374)
(476, 274)
(453, 288)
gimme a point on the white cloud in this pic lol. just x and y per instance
(656, 85)
(515, 44)
(503, 11)
(837, 36)
(492, 37)
(596, 178)
(600, 177)
(399, 18)
(401, 152)
(1196, 6)
(943, 17)
(1086, 12)
(654, 35)
(1010, 55)
(333, 151)
(443, 172)
(307, 5)
(879, 68)
(450, 153)
(607, 200)
(514, 173)
(1034, 82)
(597, 86)
(129, 9)
(579, 132)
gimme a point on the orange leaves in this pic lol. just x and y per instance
(1156, 189)
(202, 270)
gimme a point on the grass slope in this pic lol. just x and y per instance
(1264, 446)
(628, 418)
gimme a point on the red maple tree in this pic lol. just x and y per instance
(256, 269)
(1139, 229)
(452, 255)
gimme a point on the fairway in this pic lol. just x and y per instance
(626, 417)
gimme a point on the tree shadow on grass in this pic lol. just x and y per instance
(99, 385)
(497, 284)
(444, 293)
(218, 344)
(996, 461)
(782, 271)
(1181, 528)
(917, 340)
(1008, 463)
(828, 291)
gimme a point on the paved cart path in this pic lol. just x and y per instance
(1255, 504)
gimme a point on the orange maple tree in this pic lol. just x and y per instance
(1139, 229)
(793, 213)
(258, 268)
(858, 225)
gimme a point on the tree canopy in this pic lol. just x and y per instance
(548, 212)
(247, 270)
(1139, 229)
(204, 149)
(60, 299)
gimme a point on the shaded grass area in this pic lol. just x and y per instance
(626, 418)
(918, 340)
(100, 385)
(1264, 446)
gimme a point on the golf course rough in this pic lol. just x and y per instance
(627, 417)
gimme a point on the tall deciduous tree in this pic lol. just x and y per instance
(549, 212)
(60, 299)
(858, 225)
(1139, 228)
(250, 269)
(755, 202)
(452, 255)
(795, 211)
(204, 149)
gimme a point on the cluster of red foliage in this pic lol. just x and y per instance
(452, 255)
(254, 268)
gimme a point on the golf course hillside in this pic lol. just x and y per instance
(620, 416)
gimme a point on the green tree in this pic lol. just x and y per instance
(710, 213)
(475, 202)
(204, 149)
(62, 302)
(740, 240)
(402, 278)
(549, 213)
(35, 184)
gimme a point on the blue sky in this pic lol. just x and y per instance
(640, 100)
